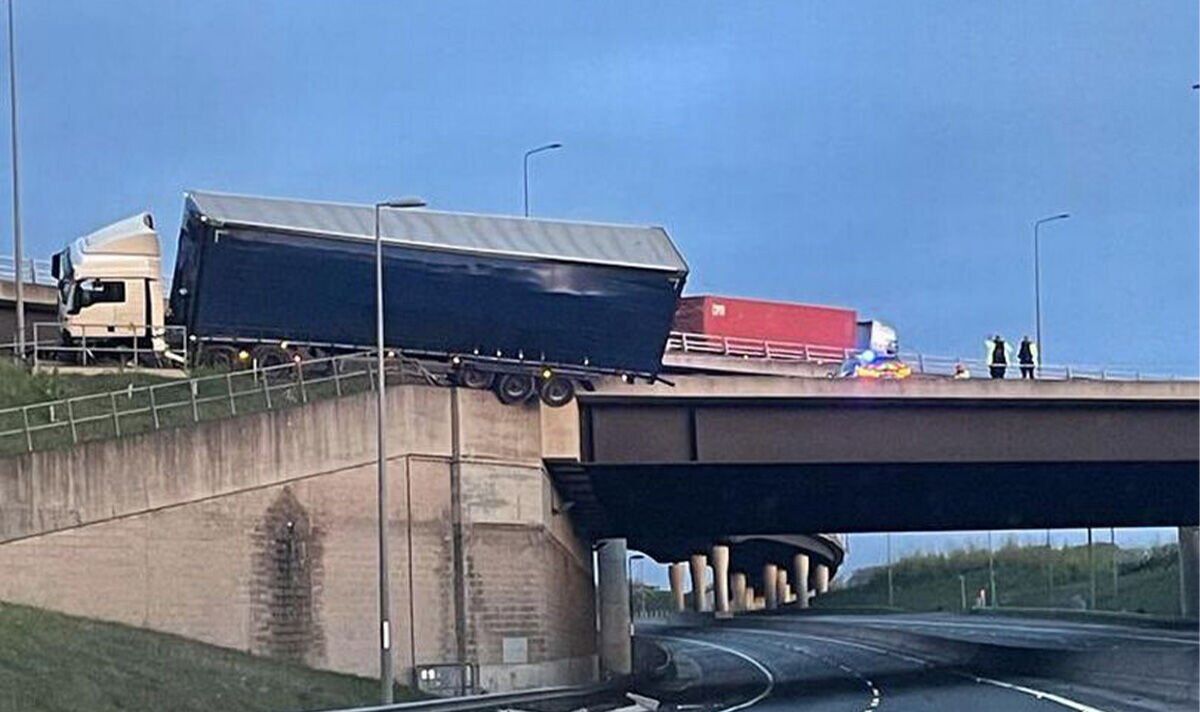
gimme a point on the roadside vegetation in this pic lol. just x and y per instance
(51, 662)
(1030, 577)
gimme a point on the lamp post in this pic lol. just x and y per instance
(530, 152)
(991, 572)
(387, 674)
(891, 596)
(1037, 280)
(16, 190)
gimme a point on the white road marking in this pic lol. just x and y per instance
(761, 668)
(1039, 694)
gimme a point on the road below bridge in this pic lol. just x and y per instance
(922, 662)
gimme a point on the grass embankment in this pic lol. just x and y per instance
(51, 662)
(175, 403)
(1148, 580)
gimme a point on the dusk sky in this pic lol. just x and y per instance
(890, 157)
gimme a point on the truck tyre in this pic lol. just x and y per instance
(514, 388)
(471, 377)
(557, 391)
(222, 358)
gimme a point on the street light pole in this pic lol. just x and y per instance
(16, 186)
(991, 572)
(530, 152)
(1037, 281)
(387, 673)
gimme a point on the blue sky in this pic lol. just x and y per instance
(885, 156)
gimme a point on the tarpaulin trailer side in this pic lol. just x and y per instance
(543, 291)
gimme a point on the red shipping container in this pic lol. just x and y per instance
(766, 321)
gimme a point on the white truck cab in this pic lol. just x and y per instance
(110, 284)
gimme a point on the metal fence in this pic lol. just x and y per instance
(32, 271)
(137, 409)
(135, 348)
(789, 352)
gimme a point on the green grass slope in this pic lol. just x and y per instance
(51, 662)
(1148, 580)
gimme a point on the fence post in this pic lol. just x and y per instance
(116, 417)
(229, 389)
(921, 362)
(300, 375)
(266, 389)
(192, 386)
(28, 435)
(153, 407)
(336, 363)
(71, 420)
(83, 354)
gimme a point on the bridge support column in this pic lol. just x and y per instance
(751, 599)
(770, 586)
(699, 563)
(616, 650)
(800, 574)
(676, 572)
(821, 579)
(1189, 571)
(720, 566)
(781, 582)
(738, 585)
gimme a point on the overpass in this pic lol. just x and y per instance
(41, 297)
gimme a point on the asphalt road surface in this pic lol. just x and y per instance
(867, 663)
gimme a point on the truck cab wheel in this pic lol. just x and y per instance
(514, 388)
(472, 377)
(557, 391)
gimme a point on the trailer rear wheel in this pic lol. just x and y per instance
(472, 377)
(514, 388)
(223, 358)
(557, 391)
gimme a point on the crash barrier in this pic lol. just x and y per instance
(546, 699)
(32, 271)
(930, 365)
(137, 409)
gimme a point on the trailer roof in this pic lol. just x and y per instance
(624, 245)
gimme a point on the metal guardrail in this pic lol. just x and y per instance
(138, 409)
(32, 271)
(577, 696)
(929, 365)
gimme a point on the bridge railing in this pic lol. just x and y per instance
(925, 364)
(32, 271)
(159, 406)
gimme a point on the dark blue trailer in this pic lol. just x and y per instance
(501, 299)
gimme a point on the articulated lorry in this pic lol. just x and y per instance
(522, 306)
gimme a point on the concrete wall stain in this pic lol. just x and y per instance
(286, 582)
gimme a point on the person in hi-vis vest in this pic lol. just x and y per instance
(1027, 356)
(998, 354)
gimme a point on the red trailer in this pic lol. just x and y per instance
(766, 321)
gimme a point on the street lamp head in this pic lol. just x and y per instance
(405, 202)
(1060, 216)
(553, 145)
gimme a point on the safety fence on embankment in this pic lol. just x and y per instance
(140, 409)
(921, 363)
(546, 699)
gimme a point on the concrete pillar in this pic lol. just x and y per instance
(821, 579)
(1189, 571)
(751, 600)
(699, 564)
(676, 571)
(616, 651)
(781, 582)
(738, 591)
(770, 586)
(720, 566)
(800, 574)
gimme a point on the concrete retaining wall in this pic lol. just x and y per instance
(258, 533)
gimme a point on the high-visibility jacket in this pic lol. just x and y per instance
(989, 350)
(1033, 353)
